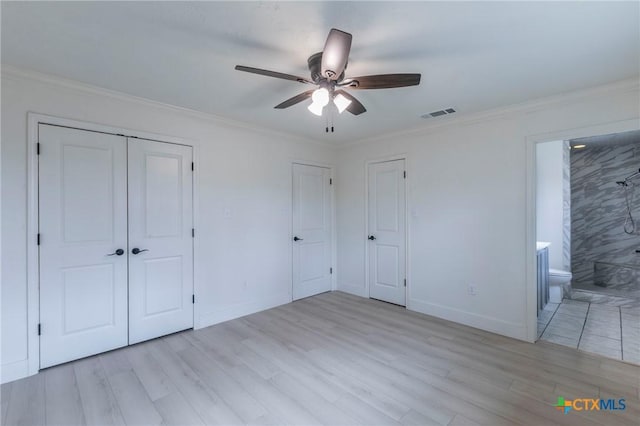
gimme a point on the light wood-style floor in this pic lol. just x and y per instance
(331, 359)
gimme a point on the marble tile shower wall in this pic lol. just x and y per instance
(601, 252)
(566, 206)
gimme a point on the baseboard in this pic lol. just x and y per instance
(483, 322)
(14, 371)
(242, 309)
(356, 290)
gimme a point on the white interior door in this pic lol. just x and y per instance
(160, 227)
(387, 232)
(83, 221)
(311, 231)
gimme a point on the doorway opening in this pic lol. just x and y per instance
(588, 244)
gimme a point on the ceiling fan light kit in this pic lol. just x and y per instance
(327, 71)
(316, 108)
(321, 96)
(341, 102)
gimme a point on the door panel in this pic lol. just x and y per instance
(94, 286)
(163, 193)
(160, 223)
(387, 263)
(83, 218)
(87, 170)
(388, 229)
(311, 223)
(163, 285)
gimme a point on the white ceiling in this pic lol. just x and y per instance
(472, 55)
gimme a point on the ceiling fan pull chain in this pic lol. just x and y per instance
(332, 115)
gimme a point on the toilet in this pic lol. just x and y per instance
(558, 281)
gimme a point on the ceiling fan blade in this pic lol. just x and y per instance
(382, 81)
(296, 99)
(335, 54)
(355, 107)
(273, 74)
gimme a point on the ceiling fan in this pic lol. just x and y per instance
(327, 71)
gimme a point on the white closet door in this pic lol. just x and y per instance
(83, 219)
(160, 226)
(387, 232)
(311, 230)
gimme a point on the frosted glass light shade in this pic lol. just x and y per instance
(316, 108)
(341, 102)
(320, 96)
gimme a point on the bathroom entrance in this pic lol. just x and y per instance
(588, 243)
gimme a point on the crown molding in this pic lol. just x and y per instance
(621, 86)
(16, 73)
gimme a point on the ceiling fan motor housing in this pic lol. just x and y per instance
(315, 67)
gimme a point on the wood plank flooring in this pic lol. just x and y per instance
(332, 359)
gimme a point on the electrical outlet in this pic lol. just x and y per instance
(472, 290)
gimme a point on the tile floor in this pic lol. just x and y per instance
(610, 331)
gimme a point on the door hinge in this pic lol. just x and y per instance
(193, 298)
(405, 174)
(331, 270)
(405, 282)
(39, 329)
(193, 232)
(38, 239)
(330, 181)
(193, 167)
(38, 148)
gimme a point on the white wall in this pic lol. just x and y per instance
(467, 186)
(549, 199)
(466, 194)
(245, 170)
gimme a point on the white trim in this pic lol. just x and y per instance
(17, 73)
(622, 86)
(356, 290)
(530, 239)
(407, 256)
(33, 272)
(33, 302)
(14, 371)
(334, 235)
(482, 322)
(228, 313)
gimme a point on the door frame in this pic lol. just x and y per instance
(531, 142)
(33, 256)
(407, 227)
(332, 198)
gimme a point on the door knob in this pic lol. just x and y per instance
(136, 250)
(118, 252)
(371, 237)
(297, 239)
